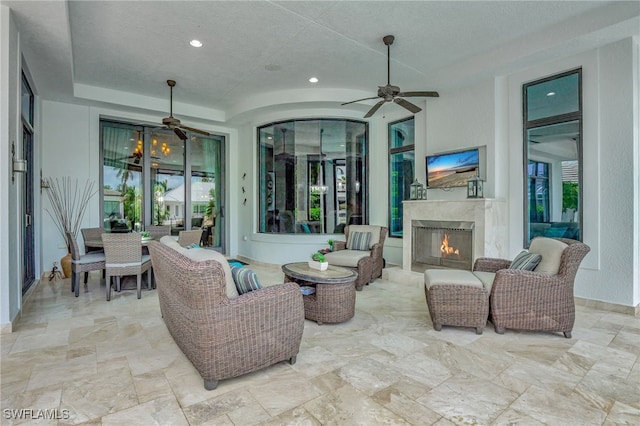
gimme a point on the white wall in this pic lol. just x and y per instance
(10, 241)
(609, 118)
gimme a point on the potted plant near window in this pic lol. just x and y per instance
(318, 262)
(330, 242)
(68, 205)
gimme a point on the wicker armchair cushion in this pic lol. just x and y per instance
(373, 229)
(200, 255)
(246, 280)
(526, 261)
(551, 251)
(486, 278)
(348, 258)
(359, 241)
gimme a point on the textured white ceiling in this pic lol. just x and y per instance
(133, 47)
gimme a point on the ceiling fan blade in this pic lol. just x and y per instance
(425, 94)
(374, 109)
(191, 129)
(182, 135)
(364, 99)
(408, 105)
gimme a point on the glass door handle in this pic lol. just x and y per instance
(27, 220)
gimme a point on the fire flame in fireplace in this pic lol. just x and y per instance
(446, 249)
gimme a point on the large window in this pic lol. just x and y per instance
(401, 170)
(313, 176)
(152, 177)
(553, 157)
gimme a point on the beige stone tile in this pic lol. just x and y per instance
(368, 376)
(30, 342)
(6, 342)
(290, 390)
(31, 407)
(58, 372)
(622, 414)
(513, 417)
(544, 376)
(162, 411)
(607, 354)
(328, 382)
(477, 401)
(205, 411)
(549, 408)
(297, 416)
(96, 396)
(316, 361)
(422, 369)
(405, 406)
(348, 406)
(152, 385)
(605, 385)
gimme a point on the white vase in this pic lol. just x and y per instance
(320, 266)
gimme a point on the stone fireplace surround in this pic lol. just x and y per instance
(489, 217)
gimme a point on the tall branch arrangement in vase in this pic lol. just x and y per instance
(68, 204)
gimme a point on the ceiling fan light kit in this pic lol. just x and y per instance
(173, 123)
(391, 93)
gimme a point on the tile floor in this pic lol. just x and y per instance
(114, 363)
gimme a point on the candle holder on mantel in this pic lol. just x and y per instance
(474, 187)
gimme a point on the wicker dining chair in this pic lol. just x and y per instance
(190, 237)
(158, 231)
(124, 256)
(92, 261)
(91, 234)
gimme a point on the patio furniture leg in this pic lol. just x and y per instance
(292, 360)
(139, 285)
(210, 384)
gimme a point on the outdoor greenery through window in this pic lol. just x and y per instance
(312, 176)
(553, 155)
(401, 170)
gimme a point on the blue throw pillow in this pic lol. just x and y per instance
(359, 241)
(526, 261)
(246, 280)
(192, 245)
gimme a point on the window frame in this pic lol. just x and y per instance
(548, 121)
(392, 151)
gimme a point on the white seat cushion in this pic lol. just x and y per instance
(347, 258)
(551, 252)
(450, 277)
(90, 258)
(373, 229)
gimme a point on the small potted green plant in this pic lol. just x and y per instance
(330, 242)
(318, 262)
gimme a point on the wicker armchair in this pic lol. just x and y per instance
(225, 337)
(529, 300)
(368, 263)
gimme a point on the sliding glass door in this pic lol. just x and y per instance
(152, 177)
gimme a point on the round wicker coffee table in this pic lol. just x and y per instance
(335, 297)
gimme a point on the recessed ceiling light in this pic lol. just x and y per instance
(195, 43)
(313, 80)
(551, 94)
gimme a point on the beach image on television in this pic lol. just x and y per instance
(452, 169)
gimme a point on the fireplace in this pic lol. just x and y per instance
(444, 244)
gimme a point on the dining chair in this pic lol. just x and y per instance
(123, 253)
(158, 231)
(190, 237)
(88, 235)
(92, 261)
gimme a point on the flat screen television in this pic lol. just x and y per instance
(452, 169)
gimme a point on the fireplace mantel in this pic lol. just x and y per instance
(489, 216)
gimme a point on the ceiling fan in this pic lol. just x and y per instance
(173, 123)
(391, 93)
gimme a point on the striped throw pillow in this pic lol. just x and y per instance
(526, 261)
(246, 280)
(359, 241)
